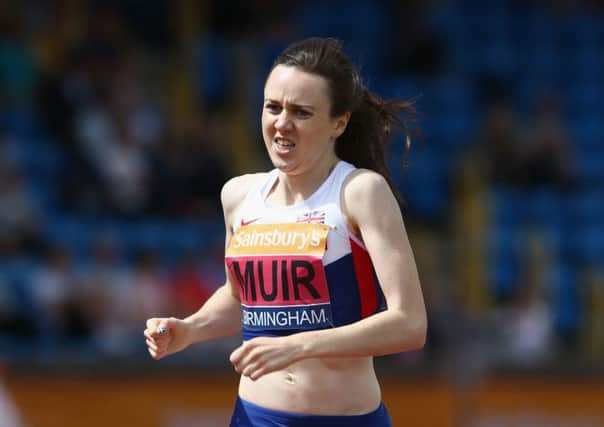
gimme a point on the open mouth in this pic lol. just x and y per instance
(283, 146)
(284, 143)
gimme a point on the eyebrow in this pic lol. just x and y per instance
(310, 107)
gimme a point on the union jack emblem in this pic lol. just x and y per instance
(312, 217)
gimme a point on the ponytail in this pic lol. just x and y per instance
(366, 140)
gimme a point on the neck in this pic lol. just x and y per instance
(291, 189)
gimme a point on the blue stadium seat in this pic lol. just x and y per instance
(21, 122)
(407, 88)
(365, 44)
(584, 98)
(544, 206)
(586, 207)
(509, 206)
(565, 298)
(586, 244)
(581, 29)
(425, 187)
(214, 69)
(73, 233)
(589, 60)
(504, 243)
(587, 130)
(16, 275)
(590, 168)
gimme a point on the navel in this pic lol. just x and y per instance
(290, 378)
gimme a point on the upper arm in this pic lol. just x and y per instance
(373, 211)
(232, 195)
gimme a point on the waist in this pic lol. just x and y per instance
(247, 413)
(317, 386)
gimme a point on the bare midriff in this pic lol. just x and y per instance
(317, 386)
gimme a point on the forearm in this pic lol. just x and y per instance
(219, 317)
(388, 332)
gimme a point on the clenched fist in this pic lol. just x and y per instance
(168, 335)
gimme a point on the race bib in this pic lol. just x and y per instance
(279, 270)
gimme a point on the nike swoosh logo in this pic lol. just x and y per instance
(244, 223)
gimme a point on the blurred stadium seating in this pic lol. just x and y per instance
(478, 51)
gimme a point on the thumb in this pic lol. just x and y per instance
(158, 327)
(163, 327)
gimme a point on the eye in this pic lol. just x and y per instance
(302, 113)
(273, 108)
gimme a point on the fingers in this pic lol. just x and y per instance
(152, 345)
(247, 359)
(154, 354)
(236, 355)
(262, 355)
(157, 337)
(242, 355)
(255, 370)
(250, 372)
(157, 350)
(156, 328)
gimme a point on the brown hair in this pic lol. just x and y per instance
(365, 141)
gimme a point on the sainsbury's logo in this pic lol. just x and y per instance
(279, 238)
(295, 239)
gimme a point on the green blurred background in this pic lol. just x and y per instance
(121, 120)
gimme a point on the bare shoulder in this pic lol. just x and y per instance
(235, 189)
(364, 182)
(366, 196)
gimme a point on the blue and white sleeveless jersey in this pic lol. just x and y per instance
(299, 267)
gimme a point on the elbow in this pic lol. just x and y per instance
(418, 336)
(415, 334)
(422, 335)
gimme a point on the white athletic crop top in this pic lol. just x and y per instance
(299, 267)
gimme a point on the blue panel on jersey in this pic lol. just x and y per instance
(343, 291)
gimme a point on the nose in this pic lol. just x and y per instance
(283, 122)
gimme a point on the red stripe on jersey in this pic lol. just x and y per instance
(365, 279)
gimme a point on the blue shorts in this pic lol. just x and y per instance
(247, 414)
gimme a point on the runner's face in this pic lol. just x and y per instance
(298, 130)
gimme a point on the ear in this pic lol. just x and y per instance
(340, 124)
